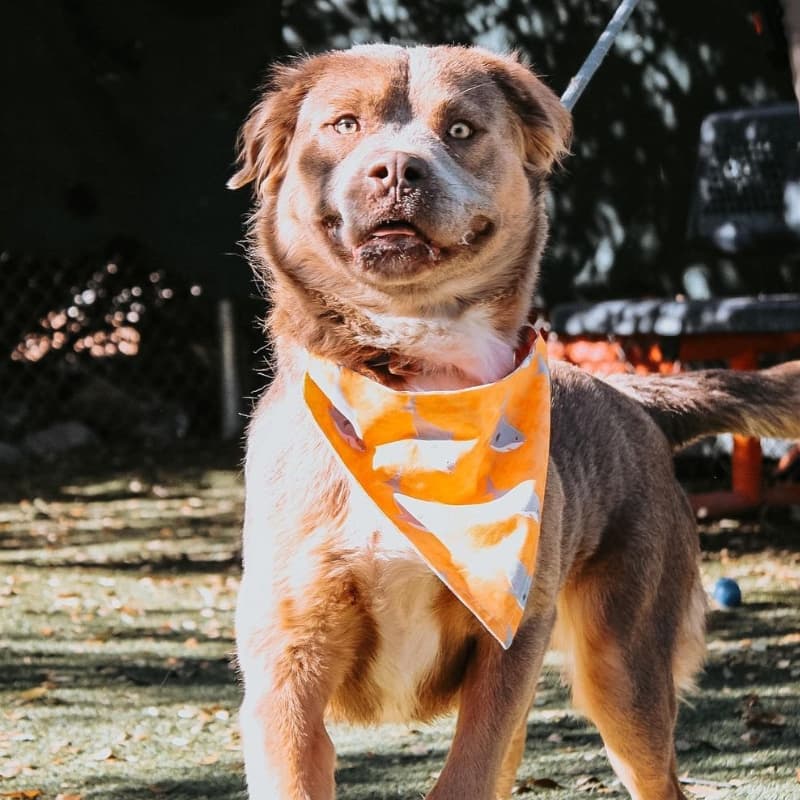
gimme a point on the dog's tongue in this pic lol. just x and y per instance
(395, 229)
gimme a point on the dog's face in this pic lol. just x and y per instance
(392, 173)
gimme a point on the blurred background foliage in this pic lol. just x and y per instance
(120, 122)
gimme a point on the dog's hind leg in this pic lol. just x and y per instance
(622, 638)
(495, 697)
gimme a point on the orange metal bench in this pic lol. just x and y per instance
(665, 336)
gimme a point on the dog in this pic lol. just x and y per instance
(399, 221)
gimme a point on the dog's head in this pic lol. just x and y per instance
(403, 179)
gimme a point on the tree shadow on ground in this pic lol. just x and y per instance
(204, 786)
(106, 474)
(101, 671)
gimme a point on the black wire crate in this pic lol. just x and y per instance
(747, 193)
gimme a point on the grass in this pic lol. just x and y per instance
(116, 634)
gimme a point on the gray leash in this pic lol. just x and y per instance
(597, 54)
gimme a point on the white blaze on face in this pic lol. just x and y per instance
(458, 195)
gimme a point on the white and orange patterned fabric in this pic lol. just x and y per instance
(460, 473)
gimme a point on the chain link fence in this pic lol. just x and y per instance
(106, 353)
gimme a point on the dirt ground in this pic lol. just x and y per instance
(116, 680)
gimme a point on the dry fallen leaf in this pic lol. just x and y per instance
(22, 794)
(104, 754)
(34, 694)
(705, 792)
(755, 715)
(530, 784)
(68, 797)
(589, 783)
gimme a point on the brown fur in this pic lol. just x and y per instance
(337, 615)
(689, 406)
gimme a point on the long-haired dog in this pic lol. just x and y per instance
(399, 222)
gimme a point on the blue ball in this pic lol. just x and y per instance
(727, 593)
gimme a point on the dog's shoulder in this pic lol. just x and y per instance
(287, 457)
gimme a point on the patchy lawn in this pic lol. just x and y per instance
(116, 615)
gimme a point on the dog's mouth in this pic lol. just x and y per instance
(396, 248)
(402, 232)
(395, 231)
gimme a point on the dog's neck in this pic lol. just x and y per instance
(449, 353)
(436, 349)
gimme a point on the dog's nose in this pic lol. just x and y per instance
(397, 172)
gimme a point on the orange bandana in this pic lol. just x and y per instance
(460, 473)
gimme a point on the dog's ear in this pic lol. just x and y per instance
(263, 142)
(546, 126)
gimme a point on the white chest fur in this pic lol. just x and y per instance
(404, 590)
(459, 352)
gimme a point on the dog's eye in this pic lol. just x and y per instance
(460, 130)
(346, 125)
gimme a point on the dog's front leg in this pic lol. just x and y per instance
(292, 662)
(496, 695)
(288, 754)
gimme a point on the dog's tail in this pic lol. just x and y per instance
(695, 404)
